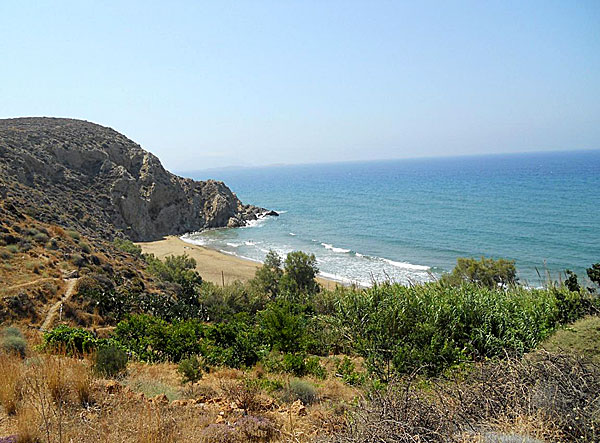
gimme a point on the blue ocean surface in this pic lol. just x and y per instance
(409, 220)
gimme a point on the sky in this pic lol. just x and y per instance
(247, 83)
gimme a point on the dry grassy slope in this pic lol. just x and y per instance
(579, 338)
(37, 257)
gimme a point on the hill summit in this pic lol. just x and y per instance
(80, 174)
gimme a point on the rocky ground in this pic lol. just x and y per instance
(85, 176)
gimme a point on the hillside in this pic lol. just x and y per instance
(82, 175)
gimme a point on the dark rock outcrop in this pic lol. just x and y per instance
(90, 177)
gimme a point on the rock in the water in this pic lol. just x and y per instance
(79, 174)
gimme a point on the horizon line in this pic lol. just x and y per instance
(421, 157)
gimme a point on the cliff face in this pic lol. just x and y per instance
(84, 175)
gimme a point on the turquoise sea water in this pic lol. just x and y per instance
(409, 219)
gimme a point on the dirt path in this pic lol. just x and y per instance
(51, 315)
(30, 283)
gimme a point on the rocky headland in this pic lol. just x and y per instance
(86, 176)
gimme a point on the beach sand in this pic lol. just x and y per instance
(213, 266)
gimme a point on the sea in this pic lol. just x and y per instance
(409, 220)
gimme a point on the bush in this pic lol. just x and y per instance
(78, 260)
(110, 361)
(296, 364)
(13, 342)
(151, 387)
(73, 234)
(190, 370)
(485, 272)
(571, 281)
(283, 327)
(398, 328)
(300, 390)
(346, 369)
(153, 339)
(314, 368)
(127, 246)
(74, 341)
(593, 273)
(235, 344)
(40, 237)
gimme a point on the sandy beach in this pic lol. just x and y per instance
(213, 266)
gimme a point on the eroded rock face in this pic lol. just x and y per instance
(84, 175)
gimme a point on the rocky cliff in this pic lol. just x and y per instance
(92, 178)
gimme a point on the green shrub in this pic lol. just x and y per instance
(13, 342)
(294, 364)
(40, 237)
(127, 246)
(300, 390)
(485, 272)
(434, 326)
(593, 273)
(74, 341)
(235, 343)
(78, 260)
(11, 331)
(110, 361)
(13, 249)
(153, 339)
(314, 368)
(219, 304)
(283, 327)
(571, 281)
(74, 234)
(190, 370)
(346, 369)
(52, 244)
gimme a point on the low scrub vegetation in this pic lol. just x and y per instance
(12, 341)
(396, 329)
(441, 361)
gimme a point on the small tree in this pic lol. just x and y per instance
(110, 361)
(267, 277)
(485, 272)
(300, 272)
(593, 273)
(190, 370)
(571, 282)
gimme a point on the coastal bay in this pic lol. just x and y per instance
(214, 266)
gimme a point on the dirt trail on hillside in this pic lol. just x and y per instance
(30, 283)
(51, 315)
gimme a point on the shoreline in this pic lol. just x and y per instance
(212, 265)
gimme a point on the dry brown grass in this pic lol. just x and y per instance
(28, 425)
(11, 382)
(545, 397)
(81, 378)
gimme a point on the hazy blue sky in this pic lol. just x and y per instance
(205, 84)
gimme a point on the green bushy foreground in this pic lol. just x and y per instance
(281, 318)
